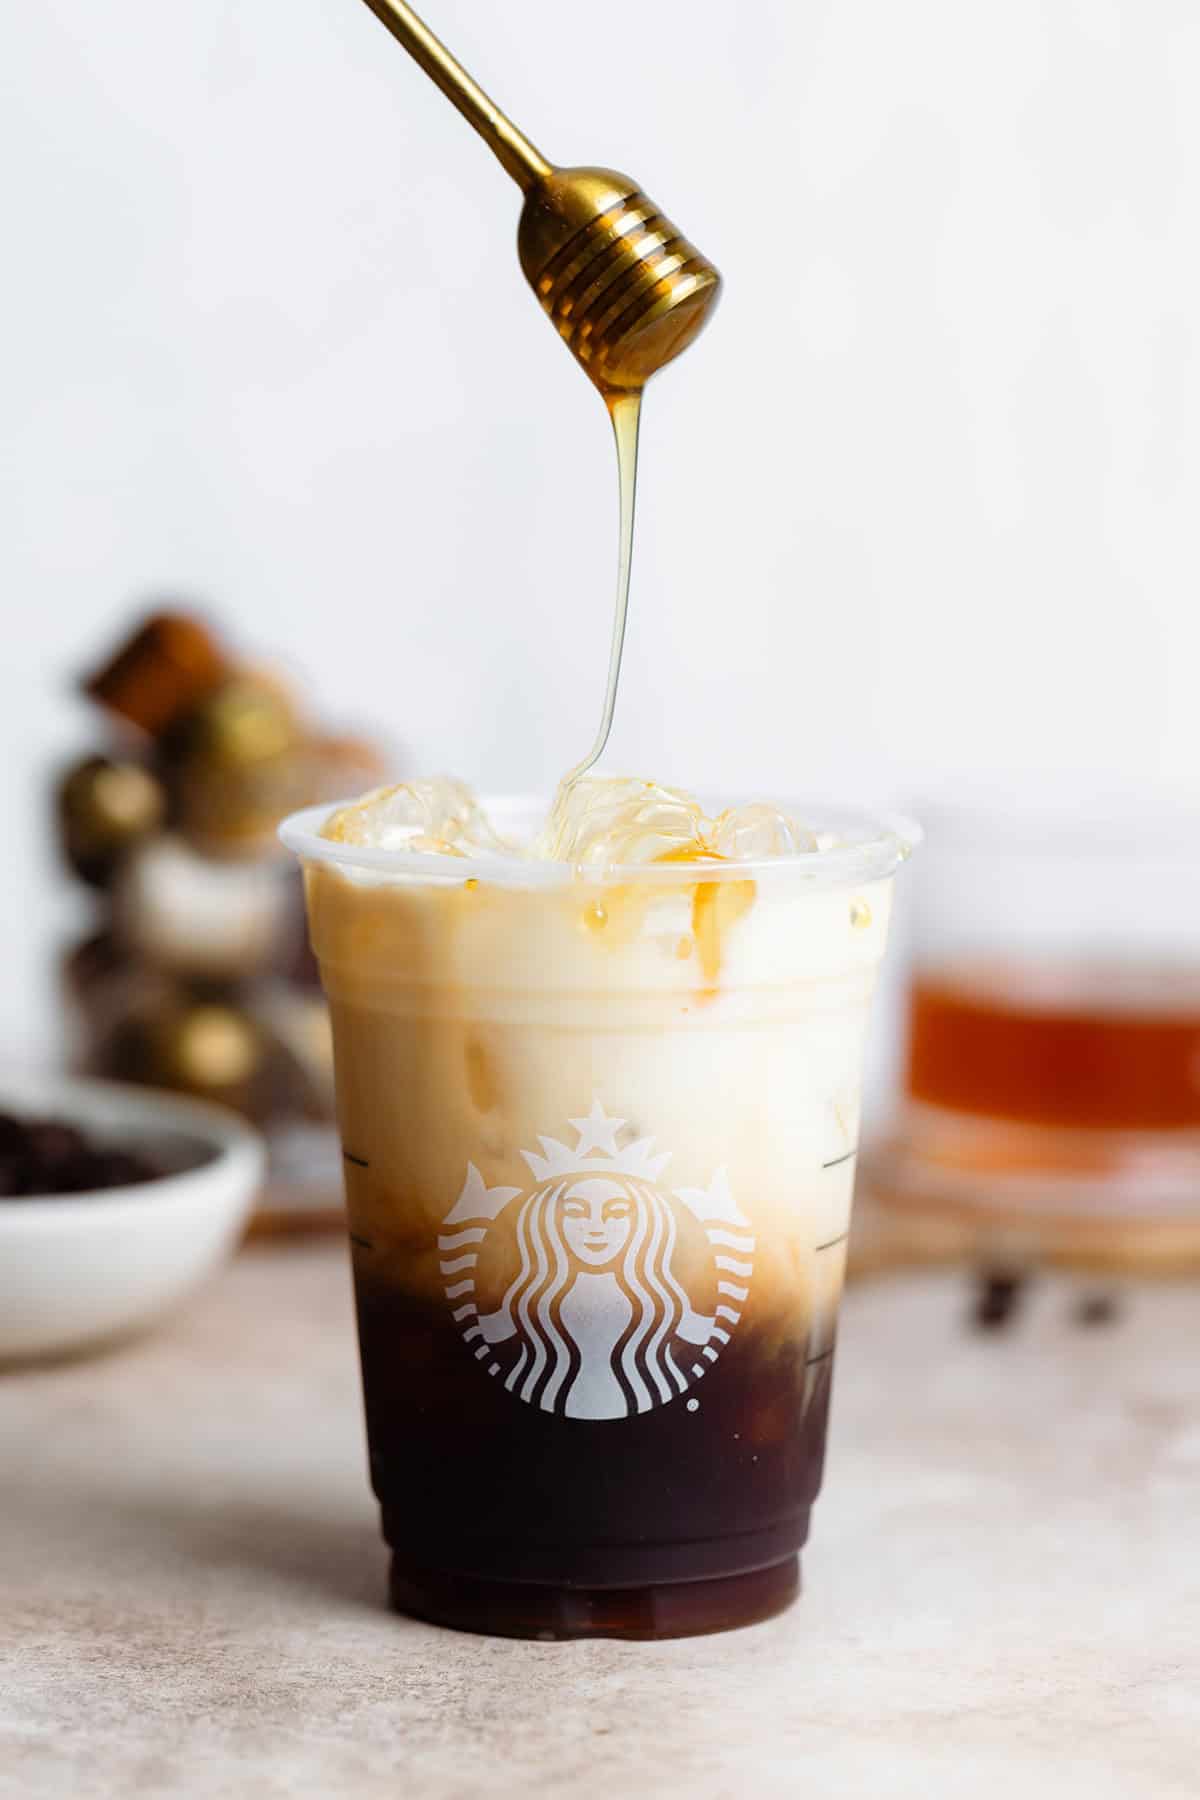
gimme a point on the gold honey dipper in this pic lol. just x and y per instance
(624, 290)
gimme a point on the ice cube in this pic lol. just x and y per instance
(743, 833)
(602, 821)
(607, 821)
(438, 814)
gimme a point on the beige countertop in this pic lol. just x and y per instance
(1002, 1592)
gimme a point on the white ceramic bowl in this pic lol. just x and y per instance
(80, 1268)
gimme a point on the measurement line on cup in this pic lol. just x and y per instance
(362, 1242)
(845, 1157)
(832, 1243)
(360, 1162)
(821, 1356)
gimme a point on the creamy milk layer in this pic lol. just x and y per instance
(677, 1027)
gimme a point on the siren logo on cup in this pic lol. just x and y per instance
(596, 1322)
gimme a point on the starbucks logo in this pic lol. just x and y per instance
(596, 1321)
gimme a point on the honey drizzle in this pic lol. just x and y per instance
(625, 411)
(716, 906)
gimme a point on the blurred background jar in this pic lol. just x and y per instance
(1050, 1104)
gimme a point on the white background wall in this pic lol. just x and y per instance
(922, 503)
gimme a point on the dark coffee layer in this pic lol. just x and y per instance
(472, 1480)
(533, 1610)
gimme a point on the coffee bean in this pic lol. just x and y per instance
(46, 1157)
(1100, 1307)
(999, 1294)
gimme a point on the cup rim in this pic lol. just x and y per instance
(878, 842)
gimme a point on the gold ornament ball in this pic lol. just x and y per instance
(205, 1048)
(247, 720)
(233, 765)
(104, 808)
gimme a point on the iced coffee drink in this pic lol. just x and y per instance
(598, 1082)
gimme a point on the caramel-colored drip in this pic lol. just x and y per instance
(482, 1083)
(717, 906)
(691, 853)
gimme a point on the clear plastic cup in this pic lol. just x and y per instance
(599, 1141)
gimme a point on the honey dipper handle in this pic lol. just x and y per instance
(513, 149)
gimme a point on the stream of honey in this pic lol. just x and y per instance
(625, 411)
